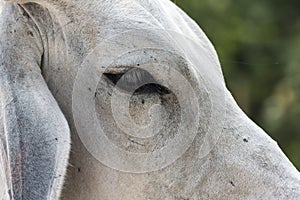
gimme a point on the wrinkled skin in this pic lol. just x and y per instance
(42, 45)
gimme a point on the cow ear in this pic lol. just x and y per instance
(5, 187)
(36, 141)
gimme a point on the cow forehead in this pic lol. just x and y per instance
(155, 14)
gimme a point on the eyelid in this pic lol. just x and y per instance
(134, 79)
(129, 78)
(117, 70)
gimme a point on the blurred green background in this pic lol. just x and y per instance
(258, 43)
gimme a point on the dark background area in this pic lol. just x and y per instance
(258, 43)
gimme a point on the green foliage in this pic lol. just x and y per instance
(258, 43)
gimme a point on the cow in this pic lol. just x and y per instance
(124, 99)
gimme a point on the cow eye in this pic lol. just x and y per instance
(135, 80)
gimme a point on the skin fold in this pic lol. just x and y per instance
(43, 44)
